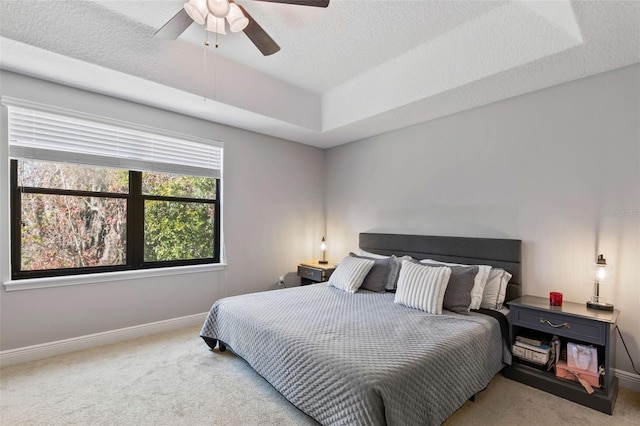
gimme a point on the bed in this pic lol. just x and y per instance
(361, 359)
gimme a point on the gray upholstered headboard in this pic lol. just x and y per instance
(500, 253)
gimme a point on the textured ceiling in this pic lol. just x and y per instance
(352, 70)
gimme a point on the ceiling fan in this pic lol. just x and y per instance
(212, 14)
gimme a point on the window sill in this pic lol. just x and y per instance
(35, 283)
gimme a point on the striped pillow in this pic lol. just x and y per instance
(350, 273)
(422, 287)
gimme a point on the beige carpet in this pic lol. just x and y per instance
(173, 379)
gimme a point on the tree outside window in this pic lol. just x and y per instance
(73, 219)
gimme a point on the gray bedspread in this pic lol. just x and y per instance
(359, 359)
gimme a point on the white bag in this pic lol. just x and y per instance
(582, 357)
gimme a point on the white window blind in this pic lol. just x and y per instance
(39, 135)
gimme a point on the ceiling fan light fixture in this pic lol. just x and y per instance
(237, 20)
(197, 10)
(215, 25)
(218, 8)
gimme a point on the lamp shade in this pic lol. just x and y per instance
(197, 10)
(596, 301)
(601, 268)
(237, 20)
(323, 248)
(218, 8)
(215, 25)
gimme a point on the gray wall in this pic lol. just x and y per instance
(273, 219)
(558, 169)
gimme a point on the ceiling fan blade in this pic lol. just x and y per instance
(258, 36)
(316, 3)
(175, 26)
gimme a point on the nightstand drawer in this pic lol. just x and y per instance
(312, 274)
(589, 331)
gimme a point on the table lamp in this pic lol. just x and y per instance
(323, 248)
(596, 301)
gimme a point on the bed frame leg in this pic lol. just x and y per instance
(211, 342)
(473, 397)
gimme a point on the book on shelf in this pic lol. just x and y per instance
(537, 354)
(529, 340)
(544, 347)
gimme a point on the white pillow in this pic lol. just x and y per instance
(496, 289)
(422, 287)
(478, 283)
(350, 273)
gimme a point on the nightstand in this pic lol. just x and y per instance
(571, 322)
(314, 272)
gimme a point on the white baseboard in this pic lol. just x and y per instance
(628, 380)
(59, 347)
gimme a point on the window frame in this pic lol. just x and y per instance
(135, 228)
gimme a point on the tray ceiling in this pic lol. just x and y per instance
(353, 70)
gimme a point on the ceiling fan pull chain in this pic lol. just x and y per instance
(204, 64)
(204, 70)
(215, 74)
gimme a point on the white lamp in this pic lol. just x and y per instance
(197, 10)
(323, 248)
(211, 14)
(237, 20)
(596, 301)
(218, 8)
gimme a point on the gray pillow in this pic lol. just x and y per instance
(381, 274)
(457, 297)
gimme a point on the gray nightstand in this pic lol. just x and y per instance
(572, 322)
(314, 272)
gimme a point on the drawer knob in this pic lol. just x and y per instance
(564, 324)
(309, 273)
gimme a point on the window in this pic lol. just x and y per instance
(76, 210)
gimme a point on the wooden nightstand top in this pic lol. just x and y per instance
(569, 308)
(315, 264)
